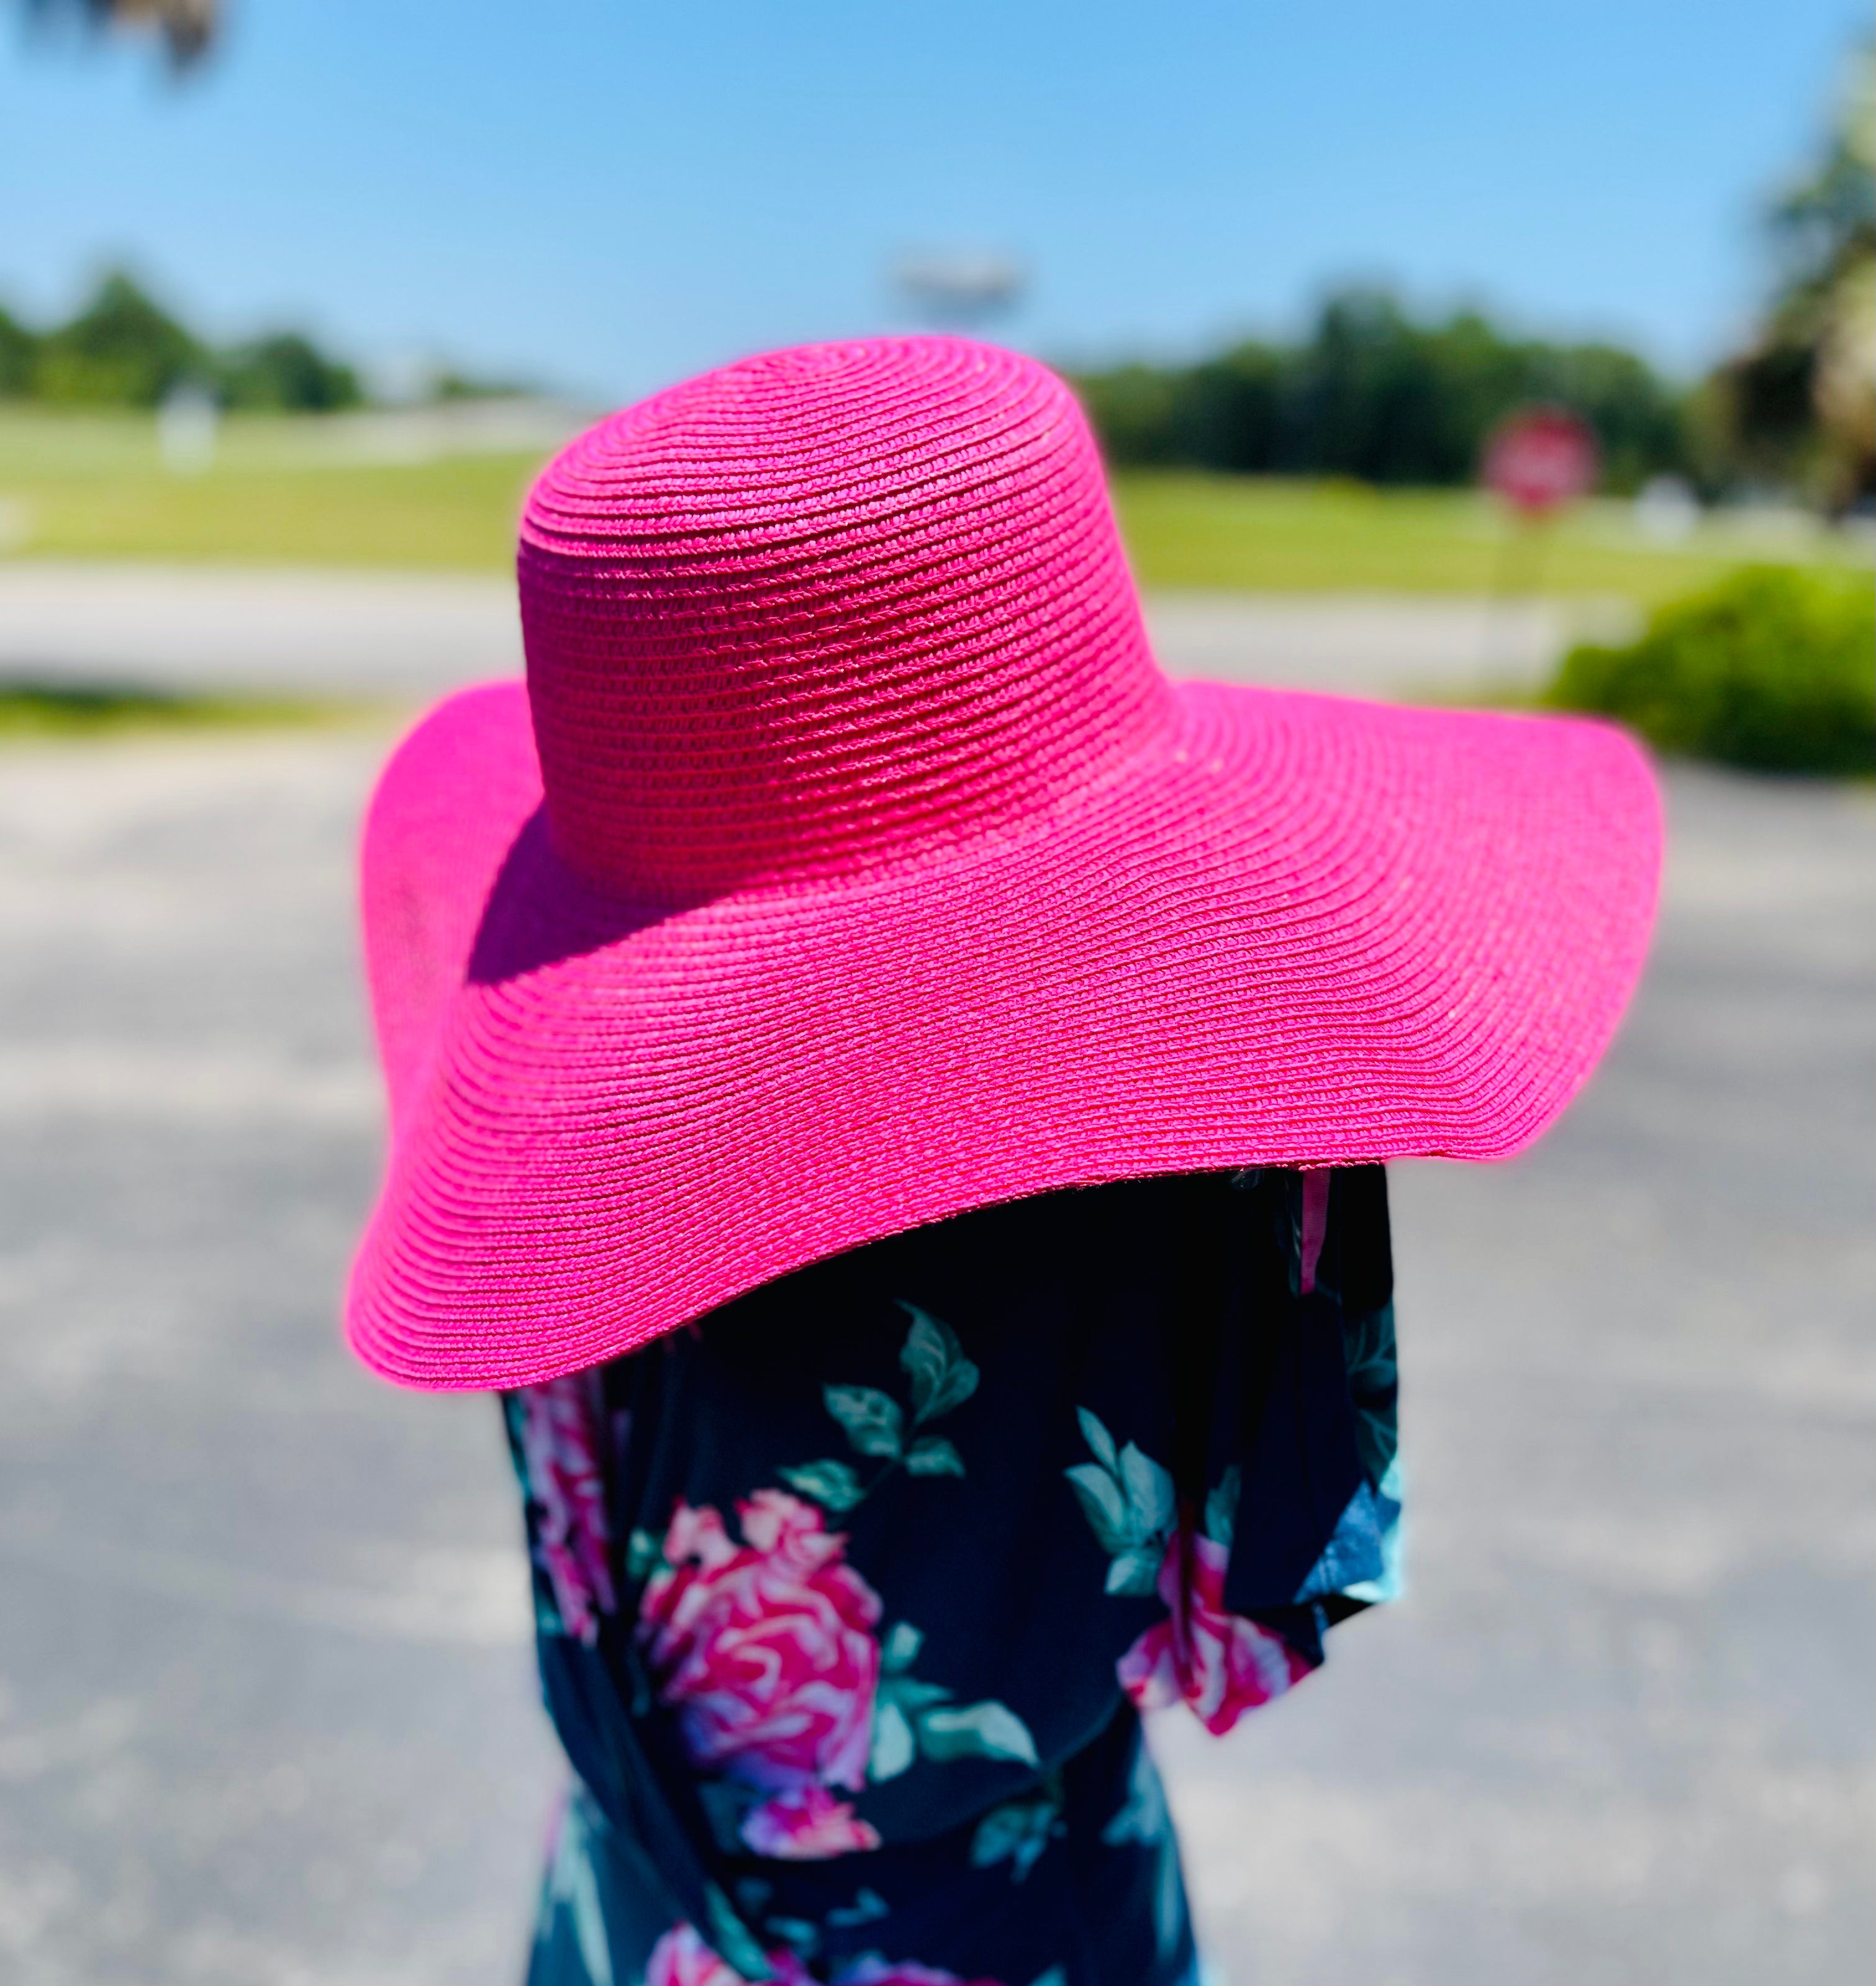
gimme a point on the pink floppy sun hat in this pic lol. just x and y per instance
(847, 862)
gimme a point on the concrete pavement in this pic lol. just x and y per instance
(402, 636)
(266, 1711)
(406, 636)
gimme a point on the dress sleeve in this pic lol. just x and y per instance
(1288, 1483)
(1354, 1285)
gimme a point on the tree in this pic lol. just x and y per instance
(1800, 404)
(1133, 409)
(186, 27)
(1642, 426)
(122, 348)
(1374, 393)
(1362, 399)
(19, 349)
(287, 373)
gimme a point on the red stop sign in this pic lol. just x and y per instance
(1540, 457)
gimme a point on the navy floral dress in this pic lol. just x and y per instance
(849, 1594)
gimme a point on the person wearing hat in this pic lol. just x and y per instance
(892, 1093)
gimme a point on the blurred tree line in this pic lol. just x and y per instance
(1373, 393)
(123, 349)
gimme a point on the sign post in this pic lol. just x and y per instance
(1539, 460)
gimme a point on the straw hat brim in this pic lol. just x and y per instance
(1297, 930)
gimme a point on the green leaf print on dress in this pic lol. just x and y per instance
(1018, 1831)
(1129, 1501)
(874, 1423)
(872, 1419)
(831, 1484)
(942, 1378)
(912, 1717)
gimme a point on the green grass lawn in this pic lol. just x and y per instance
(281, 492)
(1253, 535)
(31, 712)
(94, 486)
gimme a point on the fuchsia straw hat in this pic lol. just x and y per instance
(847, 862)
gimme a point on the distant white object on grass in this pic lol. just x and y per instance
(187, 422)
(1666, 510)
(401, 378)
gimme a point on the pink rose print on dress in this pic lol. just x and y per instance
(1220, 1664)
(805, 1826)
(767, 1650)
(682, 1958)
(558, 1427)
(1311, 1228)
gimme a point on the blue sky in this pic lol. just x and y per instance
(605, 196)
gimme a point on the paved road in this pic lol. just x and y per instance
(404, 636)
(266, 1715)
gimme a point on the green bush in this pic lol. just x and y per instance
(1772, 668)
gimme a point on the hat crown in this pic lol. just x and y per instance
(835, 606)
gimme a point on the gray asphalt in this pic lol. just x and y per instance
(267, 1715)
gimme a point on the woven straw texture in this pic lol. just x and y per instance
(848, 863)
